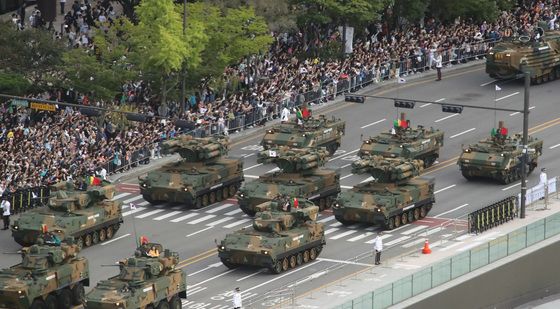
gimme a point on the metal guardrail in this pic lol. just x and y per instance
(27, 198)
(493, 215)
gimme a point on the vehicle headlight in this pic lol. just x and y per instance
(336, 205)
(19, 292)
(467, 150)
(507, 55)
(185, 189)
(501, 154)
(264, 252)
(241, 195)
(270, 131)
(144, 185)
(221, 247)
(15, 227)
(304, 135)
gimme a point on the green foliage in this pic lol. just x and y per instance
(411, 10)
(277, 13)
(14, 84)
(478, 10)
(353, 12)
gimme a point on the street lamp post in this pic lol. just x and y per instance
(183, 69)
(525, 150)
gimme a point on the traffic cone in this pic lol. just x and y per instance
(426, 249)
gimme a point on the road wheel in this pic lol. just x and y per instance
(110, 232)
(228, 264)
(404, 218)
(205, 200)
(410, 215)
(95, 238)
(80, 242)
(322, 204)
(78, 294)
(299, 258)
(175, 303)
(539, 80)
(277, 268)
(212, 197)
(285, 264)
(305, 256)
(198, 203)
(225, 193)
(87, 240)
(50, 302)
(163, 304)
(102, 235)
(397, 221)
(232, 190)
(38, 304)
(546, 77)
(312, 254)
(416, 214)
(219, 195)
(341, 220)
(390, 224)
(422, 212)
(293, 261)
(65, 299)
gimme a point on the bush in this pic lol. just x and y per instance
(14, 84)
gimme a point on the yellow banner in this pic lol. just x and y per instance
(43, 106)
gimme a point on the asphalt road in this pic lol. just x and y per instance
(192, 233)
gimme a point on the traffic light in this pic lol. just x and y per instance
(136, 117)
(354, 98)
(92, 112)
(404, 104)
(457, 109)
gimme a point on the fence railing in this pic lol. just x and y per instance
(27, 198)
(493, 215)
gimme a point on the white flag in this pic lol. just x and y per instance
(498, 88)
(132, 206)
(272, 153)
(401, 80)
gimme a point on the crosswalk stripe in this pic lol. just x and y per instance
(382, 237)
(202, 219)
(178, 207)
(167, 215)
(343, 234)
(412, 230)
(233, 212)
(327, 232)
(219, 208)
(236, 223)
(329, 218)
(185, 217)
(435, 230)
(119, 196)
(149, 213)
(214, 223)
(130, 212)
(398, 240)
(413, 243)
(337, 224)
(144, 203)
(132, 199)
(364, 235)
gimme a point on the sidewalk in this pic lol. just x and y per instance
(391, 270)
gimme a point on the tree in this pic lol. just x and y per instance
(14, 84)
(478, 10)
(410, 10)
(277, 13)
(352, 12)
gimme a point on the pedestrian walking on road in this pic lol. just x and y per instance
(439, 65)
(378, 247)
(237, 299)
(5, 205)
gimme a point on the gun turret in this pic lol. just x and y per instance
(197, 149)
(294, 160)
(273, 219)
(387, 170)
(44, 256)
(144, 266)
(70, 199)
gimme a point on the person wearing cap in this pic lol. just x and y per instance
(237, 302)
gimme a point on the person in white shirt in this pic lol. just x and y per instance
(378, 247)
(5, 205)
(543, 180)
(284, 117)
(237, 303)
(439, 64)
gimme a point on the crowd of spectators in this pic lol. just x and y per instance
(39, 147)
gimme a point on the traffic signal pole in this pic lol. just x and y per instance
(525, 149)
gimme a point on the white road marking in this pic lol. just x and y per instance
(251, 275)
(273, 170)
(446, 117)
(198, 290)
(114, 239)
(432, 231)
(214, 223)
(344, 155)
(507, 96)
(345, 166)
(212, 278)
(327, 232)
(202, 219)
(513, 114)
(451, 210)
(132, 199)
(250, 167)
(329, 218)
(512, 186)
(167, 215)
(364, 235)
(463, 237)
(144, 204)
(251, 176)
(219, 208)
(130, 212)
(413, 243)
(343, 234)
(373, 123)
(344, 177)
(233, 212)
(439, 100)
(344, 262)
(149, 213)
(488, 83)
(346, 187)
(119, 196)
(249, 155)
(382, 237)
(416, 229)
(443, 189)
(396, 241)
(424, 105)
(466, 131)
(370, 178)
(185, 217)
(199, 231)
(552, 147)
(337, 224)
(295, 270)
(236, 223)
(205, 268)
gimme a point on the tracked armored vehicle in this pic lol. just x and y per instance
(394, 198)
(300, 175)
(145, 281)
(313, 132)
(282, 237)
(202, 177)
(48, 277)
(406, 142)
(89, 216)
(513, 56)
(498, 157)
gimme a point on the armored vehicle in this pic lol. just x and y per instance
(89, 216)
(147, 280)
(395, 197)
(48, 277)
(203, 176)
(498, 157)
(300, 175)
(312, 132)
(406, 142)
(284, 235)
(538, 56)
